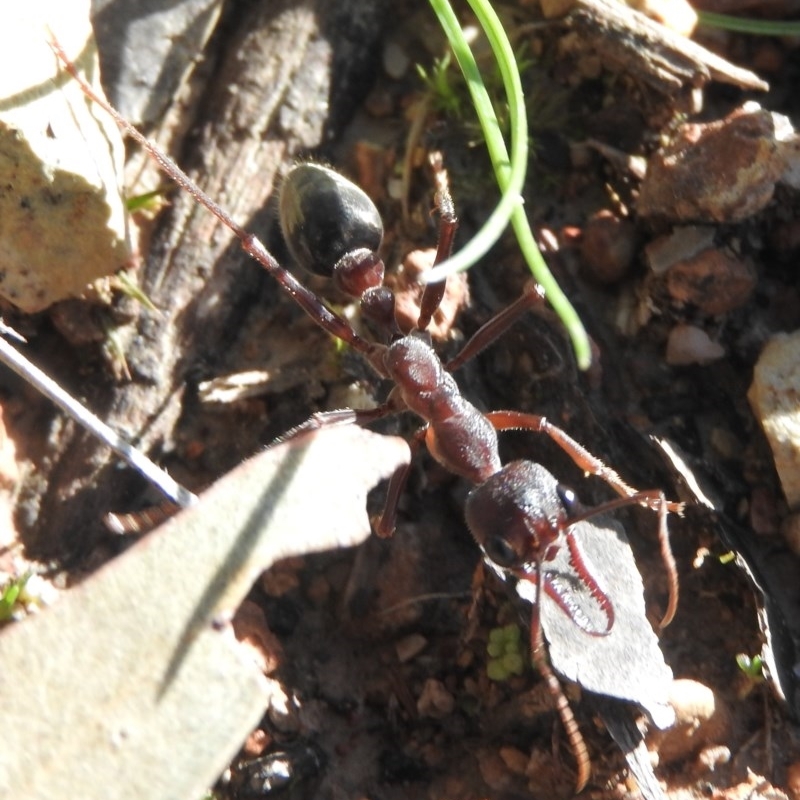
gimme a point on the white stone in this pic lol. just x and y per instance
(62, 214)
(775, 399)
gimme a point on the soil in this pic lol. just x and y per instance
(385, 648)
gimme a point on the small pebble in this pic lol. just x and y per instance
(790, 530)
(763, 511)
(608, 247)
(409, 647)
(709, 758)
(701, 721)
(395, 60)
(684, 242)
(677, 15)
(256, 743)
(688, 344)
(435, 701)
(282, 711)
(494, 771)
(725, 443)
(282, 578)
(514, 759)
(37, 593)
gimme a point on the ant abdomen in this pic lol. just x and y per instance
(326, 219)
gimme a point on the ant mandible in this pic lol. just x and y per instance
(518, 519)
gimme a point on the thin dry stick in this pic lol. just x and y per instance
(170, 488)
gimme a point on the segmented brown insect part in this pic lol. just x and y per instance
(464, 439)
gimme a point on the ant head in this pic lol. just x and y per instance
(331, 227)
(517, 515)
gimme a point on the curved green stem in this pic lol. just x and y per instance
(509, 170)
(513, 169)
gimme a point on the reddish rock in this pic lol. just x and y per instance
(608, 247)
(714, 280)
(723, 171)
(250, 628)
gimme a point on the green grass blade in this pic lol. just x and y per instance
(509, 169)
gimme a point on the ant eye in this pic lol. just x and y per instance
(324, 216)
(500, 551)
(567, 497)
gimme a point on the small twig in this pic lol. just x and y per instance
(170, 488)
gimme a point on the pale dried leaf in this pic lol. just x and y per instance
(133, 685)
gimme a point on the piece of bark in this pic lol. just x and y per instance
(653, 53)
(147, 56)
(288, 75)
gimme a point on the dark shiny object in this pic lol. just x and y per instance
(277, 772)
(324, 217)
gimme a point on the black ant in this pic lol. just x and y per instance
(517, 513)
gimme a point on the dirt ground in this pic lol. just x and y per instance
(384, 649)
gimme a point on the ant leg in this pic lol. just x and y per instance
(533, 295)
(540, 661)
(518, 420)
(148, 518)
(385, 524)
(313, 306)
(448, 224)
(331, 419)
(668, 559)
